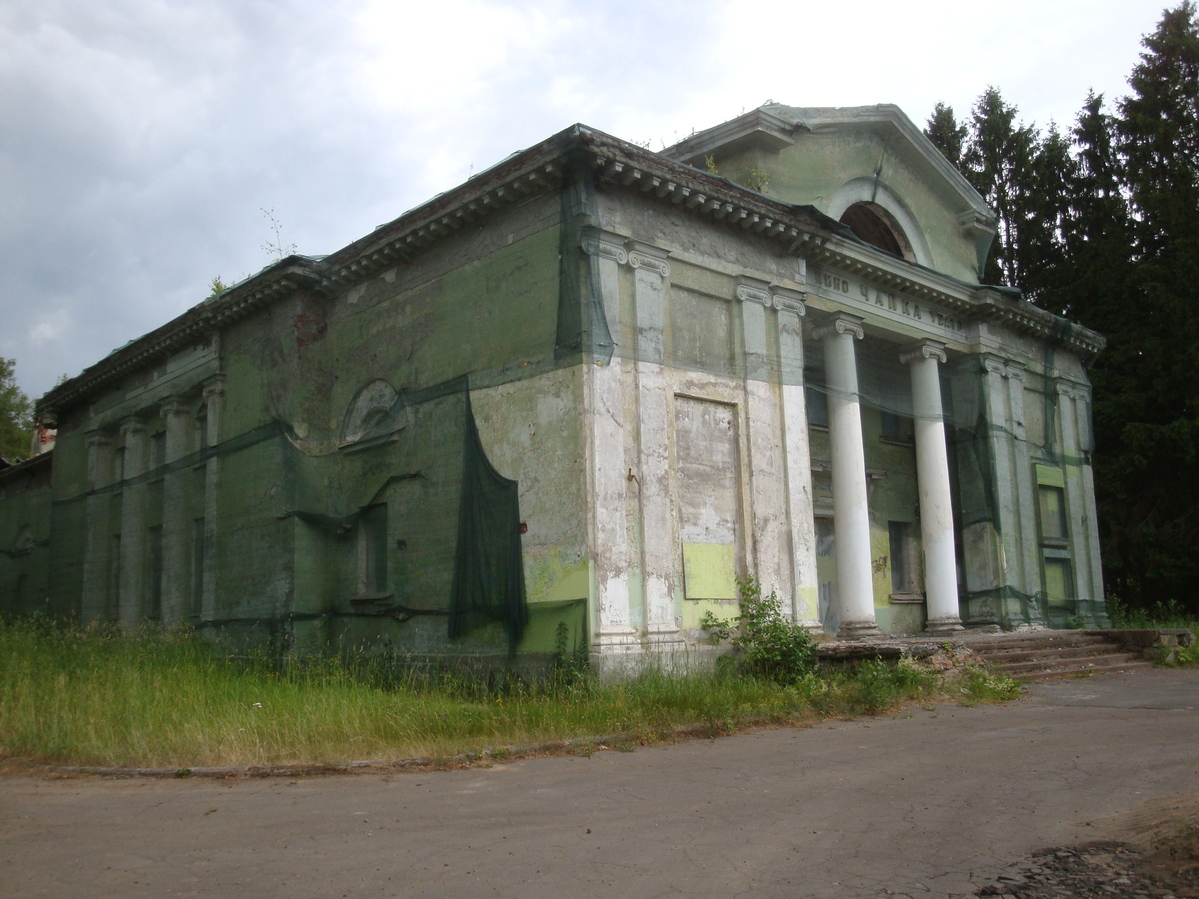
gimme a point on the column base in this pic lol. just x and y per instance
(862, 629)
(949, 625)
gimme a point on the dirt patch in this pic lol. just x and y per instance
(1156, 857)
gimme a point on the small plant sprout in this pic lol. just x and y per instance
(276, 247)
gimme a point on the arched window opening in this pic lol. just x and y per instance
(877, 227)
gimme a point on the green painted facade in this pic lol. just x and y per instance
(632, 339)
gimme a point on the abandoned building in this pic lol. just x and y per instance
(579, 396)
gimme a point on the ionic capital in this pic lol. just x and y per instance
(609, 245)
(132, 427)
(784, 298)
(842, 323)
(214, 387)
(173, 406)
(647, 256)
(752, 290)
(923, 349)
(996, 365)
(96, 440)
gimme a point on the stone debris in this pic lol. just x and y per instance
(1099, 870)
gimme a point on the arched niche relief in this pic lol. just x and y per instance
(880, 218)
(24, 543)
(377, 411)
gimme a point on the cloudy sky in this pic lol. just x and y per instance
(141, 140)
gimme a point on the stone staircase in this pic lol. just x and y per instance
(1046, 655)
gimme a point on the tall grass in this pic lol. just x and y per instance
(168, 699)
(1169, 613)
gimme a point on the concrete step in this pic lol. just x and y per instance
(1035, 642)
(1032, 653)
(1081, 671)
(1052, 655)
(1107, 660)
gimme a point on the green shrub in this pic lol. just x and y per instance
(769, 644)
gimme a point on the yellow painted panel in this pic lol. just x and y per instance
(709, 571)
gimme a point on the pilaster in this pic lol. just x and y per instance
(175, 570)
(767, 542)
(607, 428)
(95, 605)
(213, 398)
(658, 543)
(797, 457)
(132, 590)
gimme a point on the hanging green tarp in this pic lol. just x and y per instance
(489, 581)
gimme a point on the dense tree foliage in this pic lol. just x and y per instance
(16, 415)
(1102, 225)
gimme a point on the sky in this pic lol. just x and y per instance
(149, 146)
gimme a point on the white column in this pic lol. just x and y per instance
(133, 525)
(605, 402)
(932, 476)
(658, 544)
(214, 390)
(797, 458)
(95, 605)
(174, 514)
(851, 514)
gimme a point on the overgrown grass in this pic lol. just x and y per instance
(168, 699)
(1170, 613)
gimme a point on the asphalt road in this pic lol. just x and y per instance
(930, 802)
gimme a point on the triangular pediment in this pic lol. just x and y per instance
(833, 158)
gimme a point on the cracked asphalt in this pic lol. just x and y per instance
(928, 802)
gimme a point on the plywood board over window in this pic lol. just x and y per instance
(708, 489)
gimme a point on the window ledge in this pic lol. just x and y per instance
(907, 597)
(363, 598)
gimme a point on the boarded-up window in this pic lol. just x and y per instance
(707, 478)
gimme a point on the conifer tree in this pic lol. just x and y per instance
(1148, 422)
(946, 134)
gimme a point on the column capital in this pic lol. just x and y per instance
(784, 298)
(1015, 371)
(923, 349)
(214, 386)
(608, 245)
(647, 256)
(1065, 388)
(97, 439)
(173, 406)
(752, 290)
(842, 323)
(997, 365)
(132, 426)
